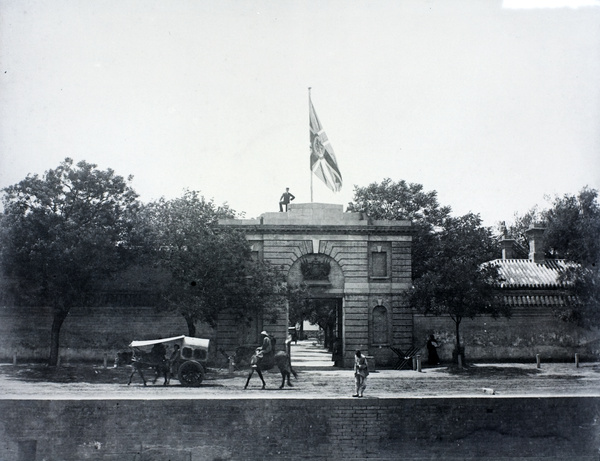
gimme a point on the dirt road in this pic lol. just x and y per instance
(316, 379)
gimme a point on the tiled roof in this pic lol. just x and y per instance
(552, 300)
(524, 273)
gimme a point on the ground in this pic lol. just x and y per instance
(316, 379)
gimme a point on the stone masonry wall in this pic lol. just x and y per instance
(323, 429)
(87, 334)
(528, 332)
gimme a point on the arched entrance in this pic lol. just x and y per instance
(352, 263)
(319, 282)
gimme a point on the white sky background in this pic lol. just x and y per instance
(492, 107)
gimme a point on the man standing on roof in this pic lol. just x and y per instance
(285, 199)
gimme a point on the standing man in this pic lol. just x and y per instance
(285, 199)
(361, 371)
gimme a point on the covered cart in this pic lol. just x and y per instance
(187, 358)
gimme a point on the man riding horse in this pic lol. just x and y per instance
(264, 354)
(265, 358)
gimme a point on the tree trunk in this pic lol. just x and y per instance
(459, 350)
(58, 318)
(191, 325)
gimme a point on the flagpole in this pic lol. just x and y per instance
(310, 151)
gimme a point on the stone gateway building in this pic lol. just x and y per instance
(360, 267)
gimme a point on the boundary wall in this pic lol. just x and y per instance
(88, 334)
(490, 428)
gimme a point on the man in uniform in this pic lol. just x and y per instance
(285, 199)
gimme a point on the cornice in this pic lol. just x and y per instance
(308, 229)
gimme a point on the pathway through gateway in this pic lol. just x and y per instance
(307, 354)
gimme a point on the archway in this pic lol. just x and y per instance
(319, 283)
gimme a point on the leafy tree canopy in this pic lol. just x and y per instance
(63, 231)
(572, 223)
(573, 228)
(457, 281)
(400, 200)
(449, 274)
(573, 233)
(210, 267)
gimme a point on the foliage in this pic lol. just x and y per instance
(210, 268)
(400, 200)
(517, 230)
(64, 231)
(457, 282)
(572, 233)
(573, 228)
(584, 283)
(449, 274)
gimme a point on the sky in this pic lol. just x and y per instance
(495, 105)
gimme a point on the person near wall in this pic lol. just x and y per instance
(285, 199)
(432, 345)
(361, 371)
(337, 355)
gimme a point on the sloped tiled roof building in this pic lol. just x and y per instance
(532, 287)
(535, 281)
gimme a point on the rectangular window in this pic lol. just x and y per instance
(380, 264)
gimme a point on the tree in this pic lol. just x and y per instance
(63, 232)
(517, 230)
(210, 268)
(449, 274)
(404, 201)
(573, 228)
(299, 306)
(573, 234)
(457, 281)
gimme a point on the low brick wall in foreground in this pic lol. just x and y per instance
(248, 429)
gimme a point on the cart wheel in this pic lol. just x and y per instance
(190, 374)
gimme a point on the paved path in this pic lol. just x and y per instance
(309, 355)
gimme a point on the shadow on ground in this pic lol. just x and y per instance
(485, 371)
(83, 373)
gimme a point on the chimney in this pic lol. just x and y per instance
(535, 235)
(507, 245)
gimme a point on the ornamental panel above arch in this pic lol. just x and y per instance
(316, 270)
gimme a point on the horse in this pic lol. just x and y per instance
(280, 359)
(139, 360)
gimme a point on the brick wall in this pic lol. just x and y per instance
(88, 333)
(91, 333)
(528, 332)
(192, 430)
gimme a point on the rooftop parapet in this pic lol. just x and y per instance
(314, 214)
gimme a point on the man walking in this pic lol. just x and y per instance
(285, 199)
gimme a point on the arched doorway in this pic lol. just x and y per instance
(319, 283)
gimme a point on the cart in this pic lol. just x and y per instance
(187, 360)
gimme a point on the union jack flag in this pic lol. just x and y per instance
(322, 159)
